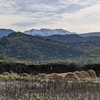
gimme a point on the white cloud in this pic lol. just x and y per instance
(84, 20)
(73, 15)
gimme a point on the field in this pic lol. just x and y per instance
(48, 89)
(20, 81)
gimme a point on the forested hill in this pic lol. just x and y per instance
(73, 38)
(26, 47)
(93, 53)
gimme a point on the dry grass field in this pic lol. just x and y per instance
(62, 86)
(49, 90)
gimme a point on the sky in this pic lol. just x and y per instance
(80, 16)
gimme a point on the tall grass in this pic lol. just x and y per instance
(49, 90)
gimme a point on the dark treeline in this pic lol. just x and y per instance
(46, 68)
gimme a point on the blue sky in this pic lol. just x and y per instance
(73, 15)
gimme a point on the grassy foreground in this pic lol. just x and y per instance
(49, 90)
(28, 87)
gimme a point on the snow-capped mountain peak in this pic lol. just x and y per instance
(46, 32)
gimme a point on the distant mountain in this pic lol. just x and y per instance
(90, 34)
(66, 38)
(61, 35)
(72, 38)
(46, 32)
(34, 48)
(5, 32)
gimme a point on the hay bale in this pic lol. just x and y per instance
(85, 79)
(71, 76)
(84, 74)
(6, 73)
(25, 75)
(92, 73)
(62, 75)
(48, 76)
(54, 76)
(78, 74)
(42, 75)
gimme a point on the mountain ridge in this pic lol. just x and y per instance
(46, 32)
(90, 34)
(5, 32)
(26, 47)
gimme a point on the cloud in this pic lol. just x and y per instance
(73, 15)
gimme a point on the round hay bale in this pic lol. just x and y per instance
(84, 74)
(71, 77)
(92, 73)
(42, 75)
(6, 73)
(25, 75)
(62, 75)
(78, 74)
(54, 76)
(48, 76)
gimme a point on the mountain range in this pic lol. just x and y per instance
(26, 47)
(48, 32)
(30, 47)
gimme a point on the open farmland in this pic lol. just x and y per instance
(20, 81)
(49, 87)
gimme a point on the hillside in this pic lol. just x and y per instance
(90, 34)
(66, 38)
(72, 38)
(26, 47)
(90, 57)
(21, 46)
(93, 53)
